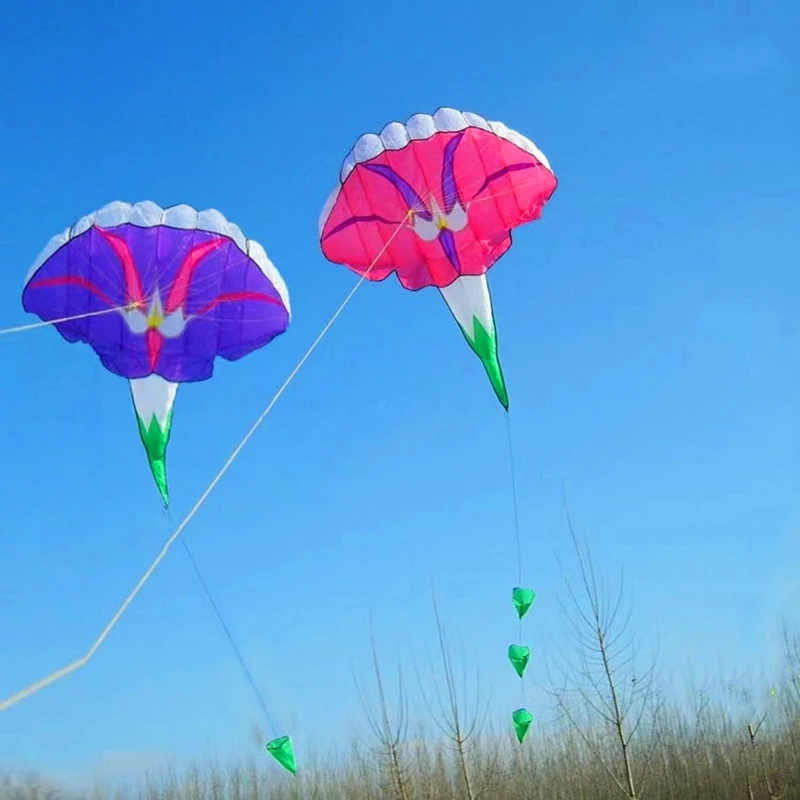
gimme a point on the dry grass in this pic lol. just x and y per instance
(705, 758)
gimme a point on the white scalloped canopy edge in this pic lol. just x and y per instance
(396, 135)
(148, 214)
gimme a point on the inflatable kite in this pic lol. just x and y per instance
(435, 200)
(158, 294)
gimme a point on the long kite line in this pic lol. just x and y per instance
(84, 659)
(47, 323)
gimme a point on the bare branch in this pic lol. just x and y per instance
(604, 675)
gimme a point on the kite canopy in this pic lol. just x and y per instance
(435, 200)
(181, 287)
(454, 183)
(158, 294)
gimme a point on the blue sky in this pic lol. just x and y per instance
(649, 335)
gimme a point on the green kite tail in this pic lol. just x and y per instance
(282, 750)
(470, 303)
(519, 655)
(522, 719)
(153, 398)
(522, 599)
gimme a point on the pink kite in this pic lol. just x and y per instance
(435, 200)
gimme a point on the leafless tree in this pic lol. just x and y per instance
(601, 677)
(390, 735)
(453, 717)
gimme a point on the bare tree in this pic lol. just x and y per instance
(459, 725)
(601, 677)
(390, 735)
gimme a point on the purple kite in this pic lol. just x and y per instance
(158, 294)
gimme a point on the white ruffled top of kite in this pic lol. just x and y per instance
(147, 215)
(395, 136)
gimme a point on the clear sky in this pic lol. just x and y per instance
(649, 334)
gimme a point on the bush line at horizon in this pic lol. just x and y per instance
(701, 752)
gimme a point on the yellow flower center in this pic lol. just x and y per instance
(154, 318)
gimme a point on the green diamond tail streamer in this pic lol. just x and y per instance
(519, 655)
(522, 599)
(282, 751)
(153, 399)
(470, 303)
(522, 719)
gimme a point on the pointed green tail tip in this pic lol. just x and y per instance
(499, 386)
(501, 393)
(282, 751)
(519, 655)
(522, 719)
(522, 599)
(485, 346)
(159, 470)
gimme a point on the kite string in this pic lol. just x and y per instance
(516, 528)
(229, 635)
(83, 660)
(46, 323)
(514, 496)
